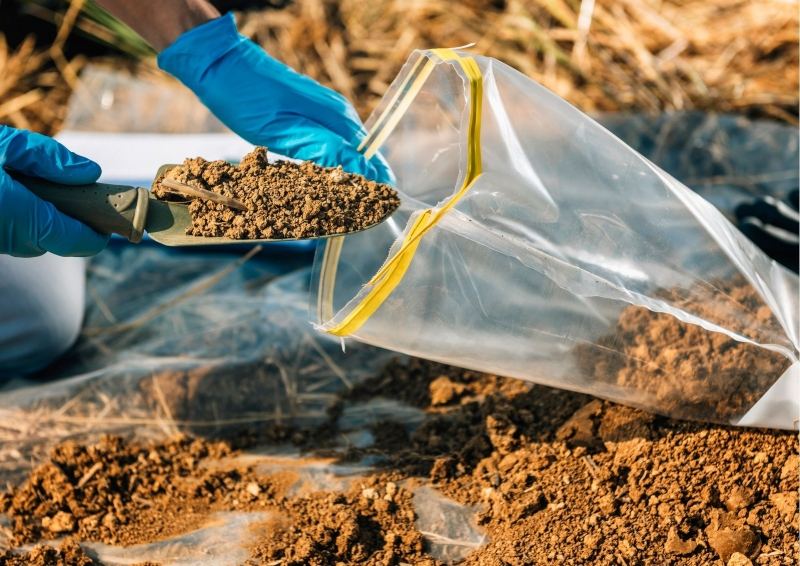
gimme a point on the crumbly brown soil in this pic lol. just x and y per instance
(563, 478)
(558, 478)
(126, 493)
(68, 553)
(284, 200)
(372, 523)
(566, 479)
(688, 371)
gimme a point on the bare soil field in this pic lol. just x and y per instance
(550, 476)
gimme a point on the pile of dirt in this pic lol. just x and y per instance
(612, 484)
(124, 492)
(284, 200)
(688, 371)
(562, 478)
(556, 477)
(373, 523)
(68, 553)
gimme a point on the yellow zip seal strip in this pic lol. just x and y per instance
(393, 270)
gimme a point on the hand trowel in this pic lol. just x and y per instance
(130, 212)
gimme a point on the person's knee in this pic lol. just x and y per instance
(41, 311)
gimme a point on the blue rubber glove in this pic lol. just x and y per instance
(30, 226)
(266, 102)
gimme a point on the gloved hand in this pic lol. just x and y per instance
(773, 226)
(266, 102)
(30, 226)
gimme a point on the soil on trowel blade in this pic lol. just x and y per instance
(284, 200)
(555, 477)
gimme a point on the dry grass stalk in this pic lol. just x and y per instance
(195, 192)
(35, 84)
(33, 95)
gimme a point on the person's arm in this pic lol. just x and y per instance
(161, 23)
(254, 94)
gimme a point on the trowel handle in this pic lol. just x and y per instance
(108, 209)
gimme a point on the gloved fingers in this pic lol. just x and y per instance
(270, 89)
(324, 105)
(297, 91)
(245, 87)
(301, 138)
(32, 226)
(41, 156)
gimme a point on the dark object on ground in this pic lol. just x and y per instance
(773, 225)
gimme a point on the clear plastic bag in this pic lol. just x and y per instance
(533, 243)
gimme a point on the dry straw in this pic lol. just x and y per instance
(602, 55)
(195, 192)
(33, 94)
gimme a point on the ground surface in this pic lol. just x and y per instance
(553, 477)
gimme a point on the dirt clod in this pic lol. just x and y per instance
(284, 200)
(728, 535)
(739, 559)
(69, 553)
(61, 522)
(676, 545)
(786, 503)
